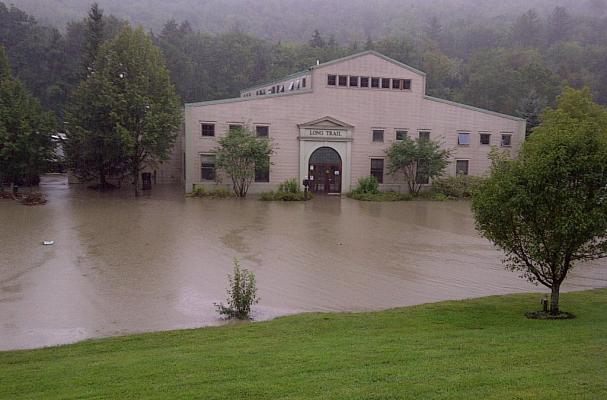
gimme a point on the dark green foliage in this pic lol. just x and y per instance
(242, 294)
(547, 210)
(216, 193)
(380, 196)
(26, 145)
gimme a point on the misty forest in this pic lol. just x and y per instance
(511, 57)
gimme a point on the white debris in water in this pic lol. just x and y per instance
(48, 242)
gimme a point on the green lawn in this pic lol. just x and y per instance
(475, 349)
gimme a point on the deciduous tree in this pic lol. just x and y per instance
(239, 154)
(418, 161)
(547, 210)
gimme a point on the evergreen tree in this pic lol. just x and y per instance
(530, 108)
(94, 37)
(144, 108)
(25, 131)
(317, 40)
(560, 25)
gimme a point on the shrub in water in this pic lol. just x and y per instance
(242, 294)
(367, 184)
(289, 186)
(459, 186)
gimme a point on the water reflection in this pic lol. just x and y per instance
(121, 264)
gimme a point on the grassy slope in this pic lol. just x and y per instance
(483, 349)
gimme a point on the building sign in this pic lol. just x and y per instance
(322, 133)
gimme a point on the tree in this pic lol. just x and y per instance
(530, 108)
(25, 131)
(526, 30)
(317, 40)
(239, 154)
(418, 161)
(559, 26)
(145, 110)
(547, 210)
(95, 149)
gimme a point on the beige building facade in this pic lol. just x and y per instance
(332, 124)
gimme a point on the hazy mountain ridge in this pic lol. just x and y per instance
(295, 20)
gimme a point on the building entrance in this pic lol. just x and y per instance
(324, 170)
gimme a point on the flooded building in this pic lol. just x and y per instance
(333, 122)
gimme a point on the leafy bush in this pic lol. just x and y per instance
(289, 186)
(242, 294)
(288, 190)
(367, 185)
(459, 186)
(217, 193)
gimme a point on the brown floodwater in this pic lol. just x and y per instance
(121, 265)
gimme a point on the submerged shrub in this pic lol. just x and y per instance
(367, 184)
(218, 192)
(380, 196)
(288, 190)
(459, 186)
(289, 186)
(242, 294)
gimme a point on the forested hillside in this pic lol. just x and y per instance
(516, 62)
(293, 20)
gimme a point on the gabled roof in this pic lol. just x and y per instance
(327, 122)
(367, 52)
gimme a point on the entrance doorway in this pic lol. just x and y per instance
(324, 170)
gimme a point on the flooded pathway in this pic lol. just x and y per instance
(121, 265)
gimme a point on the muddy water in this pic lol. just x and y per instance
(122, 265)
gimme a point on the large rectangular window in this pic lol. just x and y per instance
(364, 81)
(461, 167)
(401, 134)
(485, 138)
(377, 169)
(385, 83)
(262, 131)
(378, 135)
(374, 82)
(208, 129)
(463, 138)
(331, 80)
(421, 174)
(343, 80)
(406, 84)
(396, 83)
(262, 174)
(207, 167)
(354, 81)
(506, 140)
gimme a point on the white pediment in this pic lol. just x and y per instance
(325, 122)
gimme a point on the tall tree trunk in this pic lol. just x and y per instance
(136, 180)
(554, 299)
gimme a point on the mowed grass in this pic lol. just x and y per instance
(474, 349)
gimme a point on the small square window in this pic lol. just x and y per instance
(377, 169)
(354, 81)
(233, 128)
(343, 80)
(506, 140)
(385, 83)
(331, 80)
(208, 129)
(424, 135)
(485, 138)
(463, 138)
(461, 167)
(378, 135)
(406, 84)
(374, 82)
(401, 135)
(396, 83)
(364, 81)
(262, 131)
